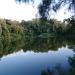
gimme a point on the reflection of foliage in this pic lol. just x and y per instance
(41, 44)
(48, 72)
(57, 70)
(60, 71)
(10, 47)
(45, 44)
(72, 63)
(35, 44)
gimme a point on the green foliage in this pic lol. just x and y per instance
(52, 26)
(10, 30)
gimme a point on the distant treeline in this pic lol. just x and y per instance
(14, 29)
(52, 26)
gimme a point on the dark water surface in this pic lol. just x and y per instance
(37, 56)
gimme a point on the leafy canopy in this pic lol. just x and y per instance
(47, 5)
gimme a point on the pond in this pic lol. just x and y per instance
(38, 56)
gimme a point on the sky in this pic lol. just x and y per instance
(63, 13)
(9, 9)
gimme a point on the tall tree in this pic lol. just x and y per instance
(47, 5)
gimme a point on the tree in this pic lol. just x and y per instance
(47, 5)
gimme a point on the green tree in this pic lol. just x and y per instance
(46, 5)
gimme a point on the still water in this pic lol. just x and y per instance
(38, 56)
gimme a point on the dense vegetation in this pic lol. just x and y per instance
(10, 32)
(35, 35)
(10, 29)
(13, 30)
(49, 28)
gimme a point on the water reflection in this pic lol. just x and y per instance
(7, 47)
(59, 71)
(43, 45)
(38, 56)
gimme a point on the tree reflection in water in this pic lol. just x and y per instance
(35, 44)
(46, 44)
(59, 71)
